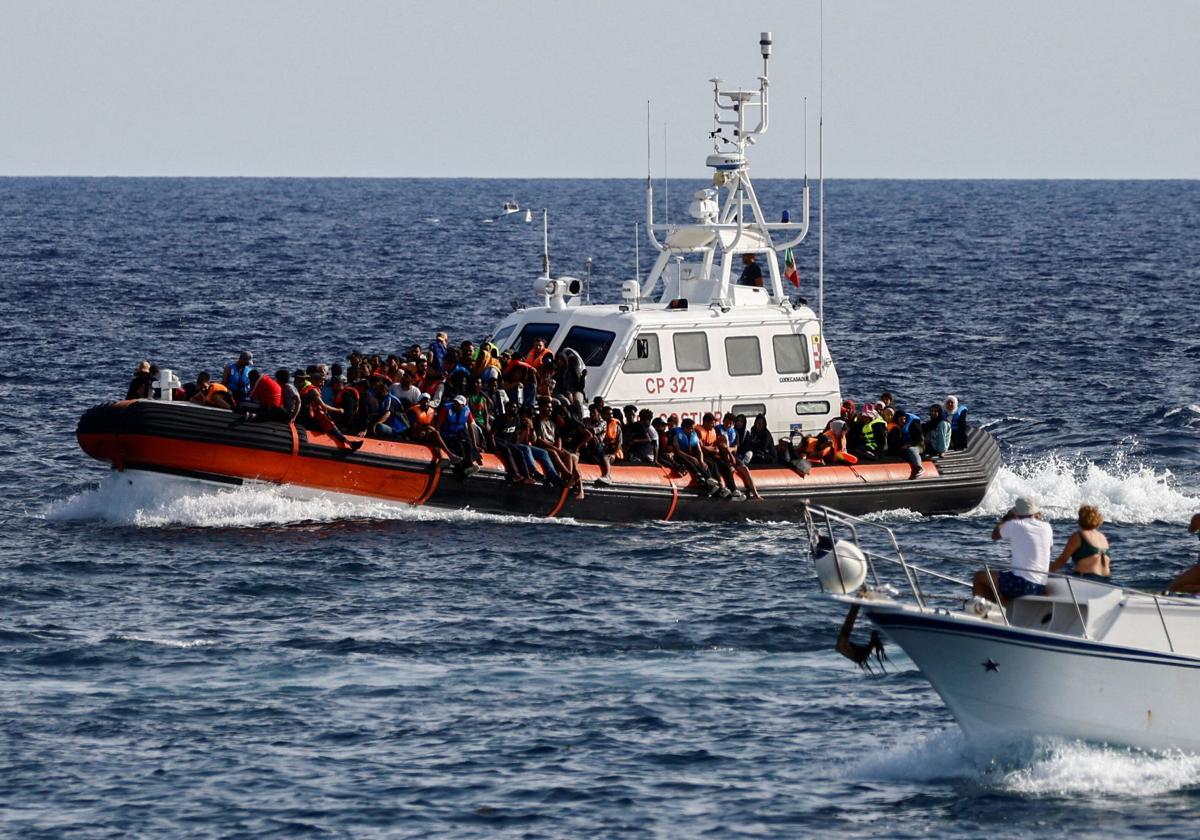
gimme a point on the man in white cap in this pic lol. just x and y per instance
(455, 422)
(1031, 541)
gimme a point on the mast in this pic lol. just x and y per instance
(821, 180)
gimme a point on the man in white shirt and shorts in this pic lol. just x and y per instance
(1031, 541)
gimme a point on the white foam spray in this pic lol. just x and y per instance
(173, 643)
(1125, 491)
(147, 500)
(1046, 767)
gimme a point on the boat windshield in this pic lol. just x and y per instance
(502, 335)
(529, 334)
(592, 345)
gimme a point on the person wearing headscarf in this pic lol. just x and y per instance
(956, 414)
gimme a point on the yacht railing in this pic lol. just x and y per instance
(822, 526)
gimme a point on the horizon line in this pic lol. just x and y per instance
(43, 176)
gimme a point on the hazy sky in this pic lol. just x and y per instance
(555, 88)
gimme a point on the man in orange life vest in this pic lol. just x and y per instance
(211, 393)
(718, 466)
(314, 412)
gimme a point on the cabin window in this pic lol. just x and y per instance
(643, 355)
(751, 410)
(691, 351)
(742, 355)
(529, 334)
(812, 407)
(502, 335)
(791, 354)
(592, 345)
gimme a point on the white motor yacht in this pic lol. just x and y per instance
(1086, 661)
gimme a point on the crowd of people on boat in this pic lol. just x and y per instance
(531, 411)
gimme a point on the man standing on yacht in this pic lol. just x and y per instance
(1031, 541)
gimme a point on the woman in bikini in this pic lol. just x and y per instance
(1087, 549)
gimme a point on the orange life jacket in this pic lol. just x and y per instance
(837, 447)
(815, 448)
(612, 434)
(422, 417)
(215, 388)
(708, 437)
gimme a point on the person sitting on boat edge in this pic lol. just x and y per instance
(1187, 582)
(291, 393)
(937, 433)
(838, 453)
(717, 466)
(641, 444)
(454, 422)
(392, 419)
(236, 376)
(210, 393)
(314, 414)
(757, 446)
(957, 415)
(751, 272)
(1031, 540)
(681, 446)
(347, 398)
(421, 428)
(907, 440)
(266, 399)
(873, 434)
(140, 386)
(518, 463)
(593, 448)
(1087, 549)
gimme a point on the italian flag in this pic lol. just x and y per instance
(789, 268)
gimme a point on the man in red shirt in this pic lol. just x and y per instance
(266, 399)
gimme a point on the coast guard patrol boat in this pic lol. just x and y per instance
(688, 340)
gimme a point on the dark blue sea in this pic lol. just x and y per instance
(241, 664)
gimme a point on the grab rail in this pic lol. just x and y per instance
(829, 518)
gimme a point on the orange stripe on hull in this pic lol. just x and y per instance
(402, 485)
(417, 474)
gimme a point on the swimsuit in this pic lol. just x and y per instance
(1086, 550)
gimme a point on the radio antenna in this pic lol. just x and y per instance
(821, 178)
(545, 243)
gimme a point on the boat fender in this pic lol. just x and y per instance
(843, 570)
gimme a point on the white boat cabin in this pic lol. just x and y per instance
(691, 339)
(688, 361)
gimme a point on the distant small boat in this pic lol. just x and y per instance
(510, 208)
(1087, 660)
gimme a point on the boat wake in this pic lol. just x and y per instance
(158, 501)
(1043, 768)
(1125, 490)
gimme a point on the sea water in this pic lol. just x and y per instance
(242, 663)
